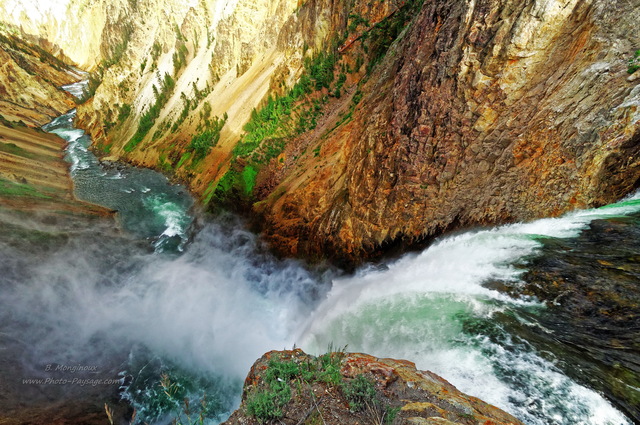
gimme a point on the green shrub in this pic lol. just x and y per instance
(180, 57)
(634, 62)
(183, 159)
(360, 392)
(391, 413)
(355, 21)
(267, 405)
(330, 374)
(202, 142)
(249, 178)
(124, 112)
(186, 107)
(321, 70)
(156, 50)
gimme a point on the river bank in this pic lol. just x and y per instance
(35, 179)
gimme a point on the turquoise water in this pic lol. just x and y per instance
(147, 204)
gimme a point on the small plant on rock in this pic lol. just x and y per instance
(360, 392)
(634, 62)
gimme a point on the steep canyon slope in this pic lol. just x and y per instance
(377, 123)
(34, 177)
(482, 112)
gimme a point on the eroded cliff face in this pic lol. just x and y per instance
(482, 112)
(30, 78)
(71, 27)
(292, 387)
(222, 58)
(389, 122)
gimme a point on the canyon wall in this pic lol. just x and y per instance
(482, 112)
(376, 124)
(30, 78)
(34, 177)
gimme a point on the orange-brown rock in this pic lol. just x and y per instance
(482, 112)
(397, 393)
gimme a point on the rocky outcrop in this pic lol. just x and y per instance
(339, 388)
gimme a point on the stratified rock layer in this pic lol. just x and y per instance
(402, 394)
(30, 80)
(483, 112)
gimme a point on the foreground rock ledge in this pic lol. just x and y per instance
(396, 393)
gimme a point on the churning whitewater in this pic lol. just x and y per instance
(204, 306)
(221, 304)
(435, 309)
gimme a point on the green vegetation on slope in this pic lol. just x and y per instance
(273, 125)
(634, 63)
(147, 120)
(202, 142)
(286, 379)
(13, 189)
(283, 117)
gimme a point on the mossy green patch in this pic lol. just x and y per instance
(183, 159)
(14, 149)
(13, 189)
(249, 178)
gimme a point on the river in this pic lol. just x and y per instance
(196, 300)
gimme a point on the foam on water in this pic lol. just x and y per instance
(433, 309)
(176, 222)
(77, 89)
